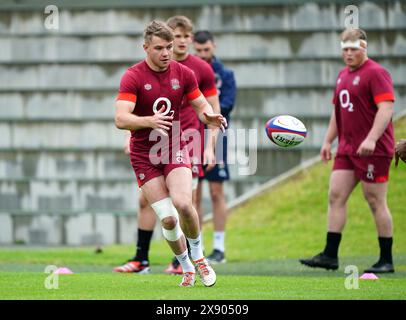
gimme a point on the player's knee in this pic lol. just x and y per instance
(183, 205)
(172, 234)
(336, 197)
(373, 201)
(143, 203)
(169, 222)
(216, 197)
(167, 214)
(165, 210)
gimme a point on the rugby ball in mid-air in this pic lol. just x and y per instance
(286, 131)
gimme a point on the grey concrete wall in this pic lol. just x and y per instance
(63, 176)
(267, 74)
(388, 14)
(94, 48)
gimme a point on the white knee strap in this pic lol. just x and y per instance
(163, 209)
(174, 234)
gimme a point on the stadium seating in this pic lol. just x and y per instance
(63, 176)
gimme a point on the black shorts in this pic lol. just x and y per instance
(219, 173)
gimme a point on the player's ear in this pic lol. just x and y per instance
(145, 46)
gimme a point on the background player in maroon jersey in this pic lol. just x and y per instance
(183, 33)
(362, 121)
(182, 29)
(150, 97)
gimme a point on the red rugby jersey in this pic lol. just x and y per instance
(150, 90)
(356, 96)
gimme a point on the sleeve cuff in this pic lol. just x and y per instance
(210, 92)
(194, 94)
(127, 97)
(388, 96)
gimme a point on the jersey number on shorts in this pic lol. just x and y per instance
(345, 100)
(167, 103)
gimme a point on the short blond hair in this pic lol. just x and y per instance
(158, 29)
(353, 35)
(180, 22)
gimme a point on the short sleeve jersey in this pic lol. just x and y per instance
(151, 90)
(356, 96)
(206, 81)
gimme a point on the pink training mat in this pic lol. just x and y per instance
(369, 276)
(63, 271)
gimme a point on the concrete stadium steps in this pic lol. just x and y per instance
(53, 135)
(65, 164)
(64, 195)
(222, 16)
(230, 45)
(69, 196)
(63, 176)
(295, 100)
(248, 75)
(85, 135)
(76, 103)
(112, 165)
(73, 228)
(57, 104)
(81, 211)
(272, 162)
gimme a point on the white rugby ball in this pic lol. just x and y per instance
(286, 131)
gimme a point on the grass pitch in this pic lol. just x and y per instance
(265, 239)
(272, 279)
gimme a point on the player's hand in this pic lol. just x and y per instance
(325, 152)
(216, 119)
(161, 122)
(400, 151)
(209, 159)
(366, 148)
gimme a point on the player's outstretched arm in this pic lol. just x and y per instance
(205, 113)
(331, 134)
(209, 157)
(126, 120)
(381, 121)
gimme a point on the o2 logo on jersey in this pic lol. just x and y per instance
(166, 102)
(345, 100)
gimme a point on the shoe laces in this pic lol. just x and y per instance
(187, 278)
(203, 267)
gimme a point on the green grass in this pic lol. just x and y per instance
(265, 238)
(120, 286)
(271, 279)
